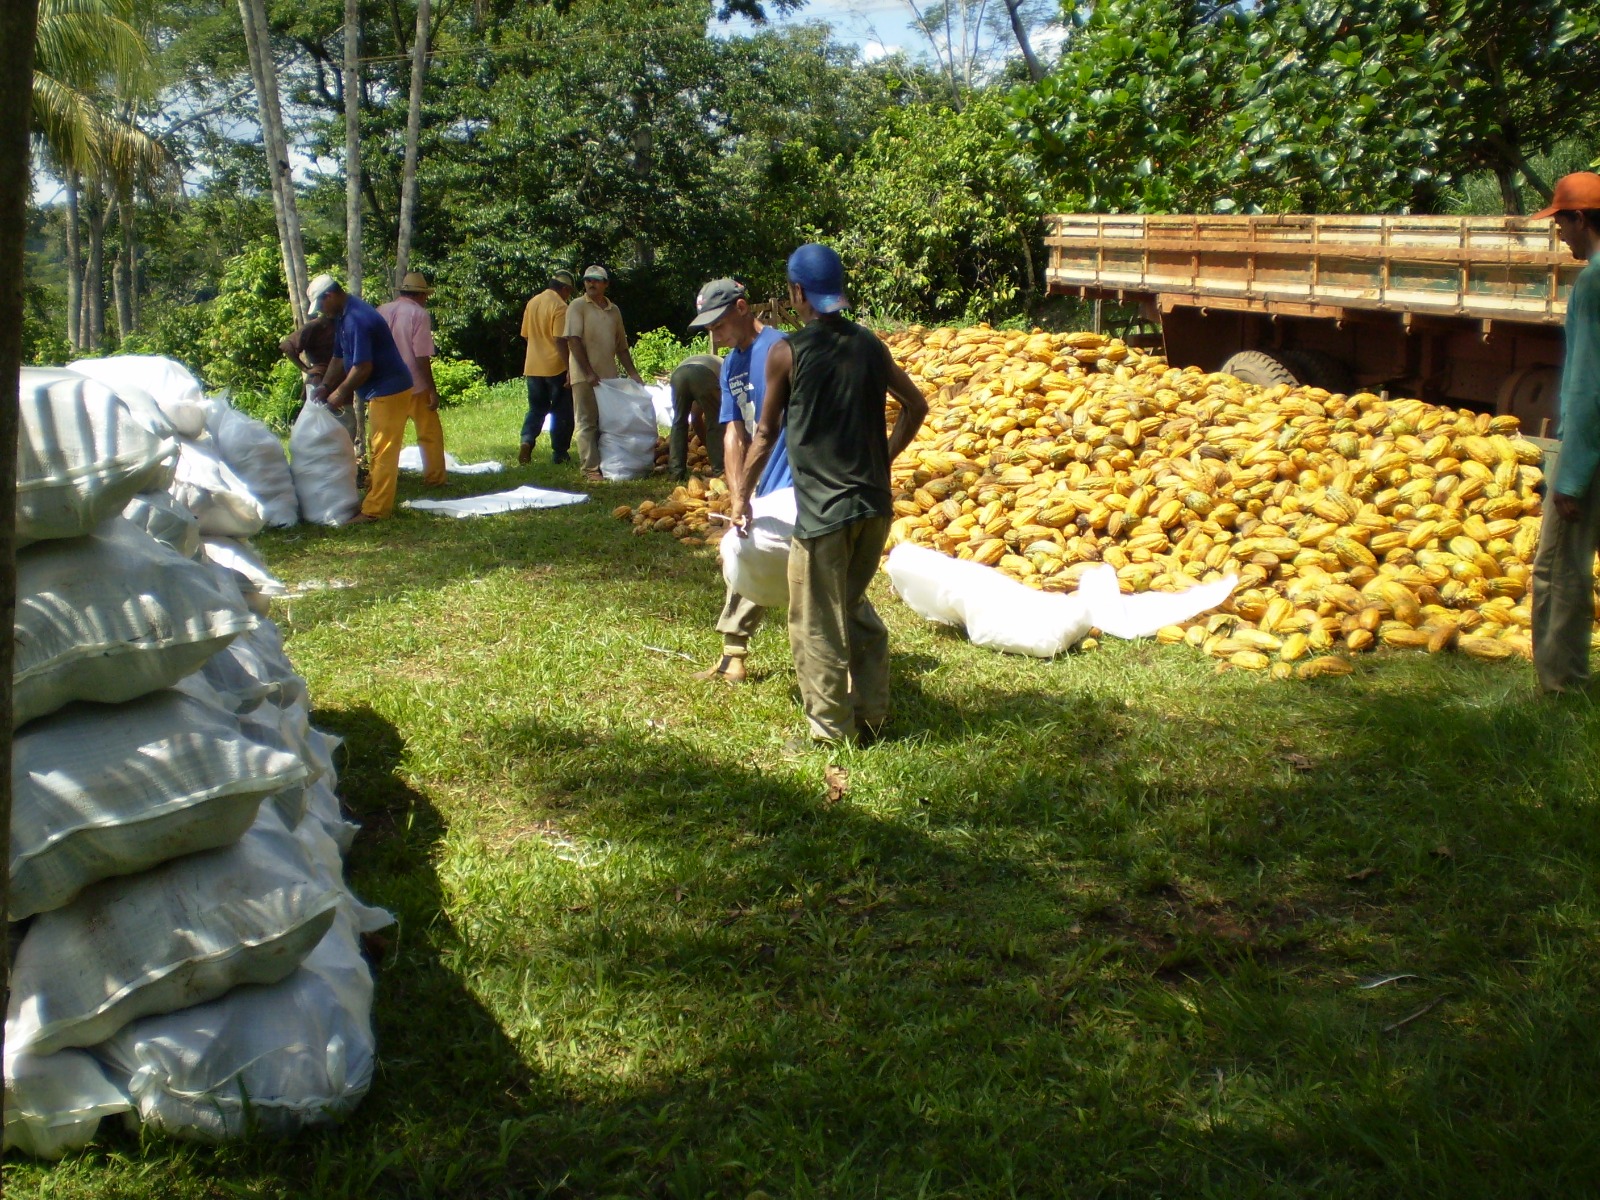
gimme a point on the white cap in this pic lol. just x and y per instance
(318, 288)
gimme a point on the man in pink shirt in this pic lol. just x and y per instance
(412, 326)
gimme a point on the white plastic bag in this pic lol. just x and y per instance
(323, 461)
(111, 617)
(625, 407)
(181, 934)
(1002, 614)
(627, 455)
(102, 790)
(55, 1102)
(81, 455)
(268, 1059)
(256, 456)
(170, 384)
(997, 611)
(215, 494)
(757, 567)
(164, 518)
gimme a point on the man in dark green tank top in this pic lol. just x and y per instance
(827, 384)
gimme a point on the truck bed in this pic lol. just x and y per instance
(1489, 268)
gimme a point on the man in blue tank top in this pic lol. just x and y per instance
(826, 392)
(723, 308)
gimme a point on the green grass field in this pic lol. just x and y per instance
(1091, 927)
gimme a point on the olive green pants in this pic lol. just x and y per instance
(841, 648)
(1563, 593)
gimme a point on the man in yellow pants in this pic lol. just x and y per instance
(412, 327)
(367, 363)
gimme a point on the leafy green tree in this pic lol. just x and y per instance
(943, 215)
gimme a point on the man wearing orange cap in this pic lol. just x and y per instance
(1563, 569)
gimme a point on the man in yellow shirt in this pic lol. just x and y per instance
(598, 342)
(544, 324)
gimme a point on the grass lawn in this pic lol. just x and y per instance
(1103, 926)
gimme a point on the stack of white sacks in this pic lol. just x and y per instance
(186, 950)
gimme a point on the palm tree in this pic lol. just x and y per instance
(90, 67)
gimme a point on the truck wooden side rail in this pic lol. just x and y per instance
(1460, 310)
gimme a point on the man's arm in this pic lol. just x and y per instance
(774, 407)
(331, 377)
(913, 409)
(626, 359)
(343, 390)
(735, 441)
(429, 388)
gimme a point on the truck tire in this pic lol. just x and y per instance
(1316, 369)
(1260, 368)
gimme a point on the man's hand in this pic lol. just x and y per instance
(634, 375)
(335, 399)
(433, 399)
(739, 516)
(1567, 507)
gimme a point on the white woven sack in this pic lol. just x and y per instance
(266, 1059)
(624, 407)
(256, 456)
(111, 617)
(161, 516)
(322, 809)
(170, 384)
(323, 461)
(81, 455)
(757, 567)
(181, 934)
(100, 791)
(55, 1102)
(214, 492)
(239, 555)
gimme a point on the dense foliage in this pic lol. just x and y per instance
(640, 135)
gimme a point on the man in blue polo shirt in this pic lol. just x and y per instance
(724, 309)
(366, 363)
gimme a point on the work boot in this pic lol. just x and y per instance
(729, 669)
(525, 454)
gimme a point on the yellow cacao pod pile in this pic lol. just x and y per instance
(1352, 522)
(685, 514)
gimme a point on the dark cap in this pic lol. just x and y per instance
(716, 298)
(820, 274)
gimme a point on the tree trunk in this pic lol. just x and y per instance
(408, 176)
(17, 19)
(74, 265)
(121, 277)
(94, 282)
(1506, 175)
(1014, 11)
(352, 143)
(264, 73)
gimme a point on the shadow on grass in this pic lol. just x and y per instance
(1062, 968)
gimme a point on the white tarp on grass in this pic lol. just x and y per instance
(498, 502)
(411, 460)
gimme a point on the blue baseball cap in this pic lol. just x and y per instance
(819, 273)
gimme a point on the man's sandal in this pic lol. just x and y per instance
(720, 671)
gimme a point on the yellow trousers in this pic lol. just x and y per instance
(386, 433)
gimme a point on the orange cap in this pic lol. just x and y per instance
(1580, 190)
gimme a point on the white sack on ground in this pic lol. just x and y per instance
(498, 502)
(627, 429)
(1002, 614)
(81, 455)
(164, 518)
(181, 934)
(214, 492)
(322, 459)
(112, 616)
(55, 1102)
(322, 808)
(411, 460)
(757, 567)
(101, 790)
(256, 456)
(239, 555)
(170, 384)
(270, 1059)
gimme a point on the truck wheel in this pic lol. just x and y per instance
(1259, 368)
(1316, 369)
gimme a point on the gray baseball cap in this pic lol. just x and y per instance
(716, 298)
